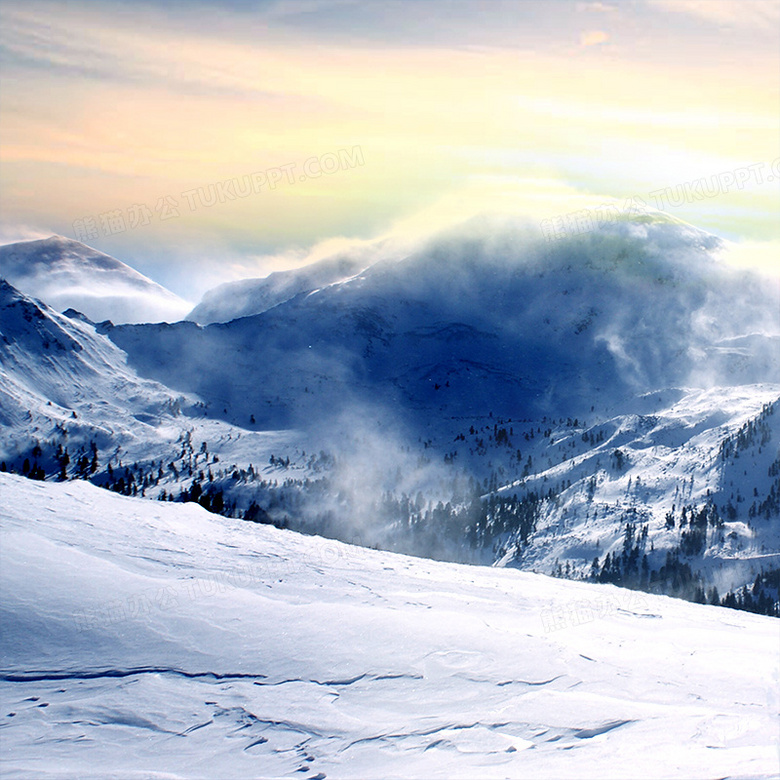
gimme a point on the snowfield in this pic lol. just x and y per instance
(155, 640)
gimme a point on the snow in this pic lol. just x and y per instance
(664, 448)
(150, 639)
(145, 639)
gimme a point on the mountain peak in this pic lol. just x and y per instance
(67, 274)
(64, 243)
(8, 293)
(56, 238)
(58, 252)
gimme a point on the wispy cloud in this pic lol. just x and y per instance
(593, 37)
(92, 45)
(10, 234)
(762, 15)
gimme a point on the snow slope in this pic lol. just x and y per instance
(671, 456)
(68, 274)
(156, 640)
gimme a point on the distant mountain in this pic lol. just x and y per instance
(67, 274)
(479, 323)
(247, 297)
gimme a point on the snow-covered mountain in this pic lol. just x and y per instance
(144, 639)
(68, 274)
(67, 394)
(56, 370)
(475, 323)
(601, 408)
(247, 297)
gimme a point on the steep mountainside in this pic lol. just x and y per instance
(61, 363)
(71, 406)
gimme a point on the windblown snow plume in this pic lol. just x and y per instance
(66, 274)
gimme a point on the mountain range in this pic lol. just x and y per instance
(598, 408)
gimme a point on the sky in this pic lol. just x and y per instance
(203, 142)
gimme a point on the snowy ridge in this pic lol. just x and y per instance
(56, 369)
(197, 646)
(248, 297)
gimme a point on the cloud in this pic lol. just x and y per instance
(760, 15)
(11, 234)
(98, 46)
(127, 118)
(596, 7)
(297, 257)
(759, 256)
(593, 37)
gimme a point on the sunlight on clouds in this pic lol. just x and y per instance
(761, 256)
(593, 38)
(111, 114)
(262, 265)
(529, 198)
